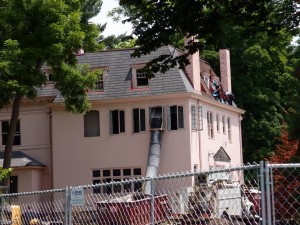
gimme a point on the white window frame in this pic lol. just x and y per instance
(141, 123)
(111, 122)
(169, 117)
(229, 129)
(100, 83)
(200, 117)
(194, 117)
(218, 122)
(223, 124)
(134, 81)
(210, 124)
(135, 172)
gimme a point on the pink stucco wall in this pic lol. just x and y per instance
(75, 156)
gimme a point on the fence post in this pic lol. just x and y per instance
(152, 216)
(2, 210)
(262, 184)
(67, 207)
(268, 183)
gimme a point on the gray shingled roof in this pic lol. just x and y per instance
(20, 159)
(118, 82)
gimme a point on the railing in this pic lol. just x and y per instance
(250, 194)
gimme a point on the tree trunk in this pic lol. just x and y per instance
(11, 133)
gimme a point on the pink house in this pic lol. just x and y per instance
(199, 127)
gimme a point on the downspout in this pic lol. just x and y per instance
(49, 111)
(241, 141)
(199, 135)
(153, 159)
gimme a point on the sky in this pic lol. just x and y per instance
(111, 27)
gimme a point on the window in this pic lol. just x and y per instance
(156, 117)
(223, 125)
(116, 175)
(218, 122)
(5, 128)
(117, 121)
(194, 118)
(49, 76)
(139, 77)
(99, 85)
(139, 120)
(200, 118)
(13, 184)
(229, 129)
(91, 124)
(197, 119)
(175, 117)
(210, 125)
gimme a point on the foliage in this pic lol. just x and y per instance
(36, 32)
(285, 150)
(257, 34)
(156, 22)
(4, 173)
(286, 182)
(120, 41)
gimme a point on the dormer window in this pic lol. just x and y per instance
(99, 85)
(49, 76)
(139, 77)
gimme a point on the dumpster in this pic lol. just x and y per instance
(135, 212)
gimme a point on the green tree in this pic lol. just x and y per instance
(119, 41)
(156, 22)
(35, 32)
(257, 34)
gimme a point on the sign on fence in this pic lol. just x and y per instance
(77, 196)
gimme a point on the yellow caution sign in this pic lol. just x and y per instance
(16, 215)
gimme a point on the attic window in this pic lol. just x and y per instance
(139, 77)
(99, 85)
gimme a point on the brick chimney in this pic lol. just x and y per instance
(193, 69)
(225, 70)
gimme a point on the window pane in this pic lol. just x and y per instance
(17, 140)
(137, 171)
(107, 188)
(4, 138)
(141, 77)
(126, 172)
(137, 186)
(180, 117)
(136, 127)
(13, 187)
(115, 121)
(96, 190)
(193, 117)
(143, 119)
(173, 115)
(122, 121)
(117, 187)
(96, 173)
(5, 125)
(91, 124)
(17, 136)
(116, 172)
(127, 187)
(106, 173)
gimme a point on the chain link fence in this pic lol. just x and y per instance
(250, 194)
